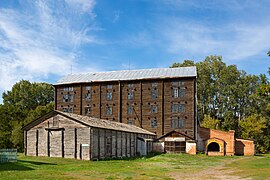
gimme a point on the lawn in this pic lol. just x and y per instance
(164, 166)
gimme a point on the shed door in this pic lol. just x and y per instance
(55, 144)
(174, 146)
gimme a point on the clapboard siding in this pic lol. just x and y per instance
(62, 136)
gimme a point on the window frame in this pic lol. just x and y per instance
(109, 96)
(153, 123)
(154, 108)
(109, 110)
(87, 112)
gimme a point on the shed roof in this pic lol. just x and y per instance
(124, 75)
(91, 122)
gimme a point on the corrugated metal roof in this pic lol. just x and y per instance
(106, 124)
(129, 75)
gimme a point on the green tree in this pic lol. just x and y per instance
(209, 122)
(25, 102)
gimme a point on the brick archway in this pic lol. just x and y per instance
(215, 147)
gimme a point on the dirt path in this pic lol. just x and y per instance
(216, 172)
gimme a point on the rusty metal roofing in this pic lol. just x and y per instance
(106, 124)
(123, 75)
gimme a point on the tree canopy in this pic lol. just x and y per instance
(227, 97)
(25, 102)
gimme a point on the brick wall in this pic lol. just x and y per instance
(244, 147)
(206, 133)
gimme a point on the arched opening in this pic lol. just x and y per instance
(213, 147)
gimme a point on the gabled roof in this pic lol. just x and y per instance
(91, 122)
(175, 131)
(140, 74)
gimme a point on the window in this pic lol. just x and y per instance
(109, 86)
(154, 93)
(181, 108)
(109, 96)
(55, 121)
(175, 83)
(87, 111)
(178, 83)
(174, 108)
(68, 89)
(68, 98)
(178, 123)
(154, 109)
(181, 83)
(130, 122)
(178, 108)
(68, 109)
(130, 95)
(87, 88)
(130, 109)
(108, 110)
(175, 92)
(154, 123)
(88, 96)
(154, 84)
(130, 85)
(182, 92)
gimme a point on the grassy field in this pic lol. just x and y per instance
(165, 166)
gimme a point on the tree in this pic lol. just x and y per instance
(268, 53)
(227, 98)
(25, 102)
(209, 122)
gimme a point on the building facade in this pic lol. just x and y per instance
(158, 100)
(67, 135)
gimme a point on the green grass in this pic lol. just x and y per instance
(155, 167)
(255, 167)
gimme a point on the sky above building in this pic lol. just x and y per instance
(43, 40)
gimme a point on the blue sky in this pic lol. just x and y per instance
(40, 40)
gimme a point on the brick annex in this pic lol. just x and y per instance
(127, 113)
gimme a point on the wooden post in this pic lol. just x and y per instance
(121, 144)
(75, 141)
(105, 144)
(63, 145)
(126, 144)
(111, 143)
(48, 143)
(116, 135)
(25, 143)
(90, 143)
(130, 144)
(37, 142)
(98, 144)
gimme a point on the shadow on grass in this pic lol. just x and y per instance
(150, 155)
(36, 163)
(14, 167)
(20, 166)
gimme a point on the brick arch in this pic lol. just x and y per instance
(215, 147)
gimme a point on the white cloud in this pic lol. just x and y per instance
(235, 41)
(43, 39)
(83, 5)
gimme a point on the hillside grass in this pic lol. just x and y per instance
(155, 167)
